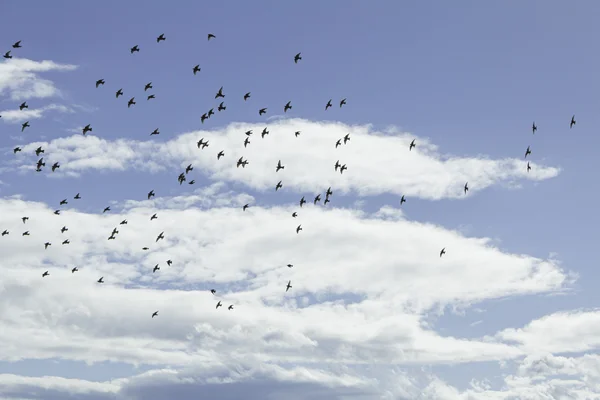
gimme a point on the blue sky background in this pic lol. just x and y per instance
(470, 76)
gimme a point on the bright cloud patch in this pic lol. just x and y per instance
(19, 78)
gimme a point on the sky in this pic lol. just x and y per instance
(373, 312)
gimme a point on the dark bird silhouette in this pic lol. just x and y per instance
(338, 143)
(246, 142)
(148, 86)
(289, 265)
(219, 93)
(153, 217)
(346, 138)
(77, 196)
(45, 274)
(66, 241)
(161, 38)
(527, 152)
(124, 222)
(86, 129)
(16, 150)
(326, 201)
(17, 45)
(230, 307)
(160, 235)
(131, 102)
(203, 118)
(63, 202)
(412, 144)
(289, 286)
(119, 93)
(262, 111)
(39, 150)
(443, 252)
(533, 128)
(328, 104)
(156, 268)
(220, 154)
(189, 169)
(25, 219)
(74, 270)
(317, 199)
(7, 55)
(100, 82)
(294, 214)
(299, 228)
(134, 49)
(221, 107)
(196, 69)
(155, 314)
(56, 212)
(63, 229)
(23, 105)
(200, 142)
(343, 168)
(218, 304)
(151, 97)
(211, 112)
(101, 280)
(26, 233)
(211, 36)
(115, 231)
(297, 133)
(573, 122)
(150, 194)
(263, 133)
(246, 96)
(181, 178)
(288, 106)
(155, 132)
(342, 102)
(106, 209)
(24, 125)
(302, 201)
(528, 167)
(46, 245)
(169, 262)
(145, 248)
(55, 166)
(278, 186)
(297, 58)
(248, 133)
(328, 192)
(279, 166)
(402, 200)
(466, 188)
(5, 232)
(213, 291)
(245, 207)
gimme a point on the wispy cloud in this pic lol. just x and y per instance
(16, 116)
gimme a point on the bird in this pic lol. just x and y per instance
(528, 151)
(155, 132)
(46, 245)
(77, 196)
(220, 154)
(156, 268)
(16, 150)
(299, 228)
(412, 144)
(196, 69)
(23, 105)
(247, 96)
(220, 93)
(221, 107)
(150, 194)
(119, 93)
(533, 128)
(45, 274)
(294, 214)
(124, 222)
(211, 36)
(66, 241)
(74, 270)
(573, 122)
(56, 212)
(443, 252)
(148, 86)
(101, 280)
(302, 201)
(145, 248)
(210, 112)
(288, 106)
(17, 45)
(317, 199)
(338, 143)
(297, 133)
(246, 142)
(169, 262)
(63, 202)
(297, 58)
(213, 291)
(290, 265)
(38, 151)
(55, 166)
(153, 217)
(342, 102)
(402, 200)
(328, 104)
(263, 133)
(151, 97)
(24, 125)
(26, 233)
(160, 38)
(160, 235)
(155, 314)
(278, 186)
(346, 138)
(106, 209)
(131, 102)
(7, 55)
(218, 304)
(289, 286)
(279, 166)
(134, 49)
(328, 192)
(200, 142)
(466, 188)
(189, 169)
(343, 168)
(25, 219)
(245, 207)
(262, 111)
(63, 229)
(86, 129)
(5, 232)
(528, 167)
(230, 307)
(100, 82)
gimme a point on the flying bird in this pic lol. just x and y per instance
(169, 262)
(328, 104)
(150, 194)
(151, 97)
(25, 219)
(230, 307)
(156, 268)
(533, 128)
(220, 154)
(153, 217)
(196, 69)
(263, 133)
(288, 106)
(100, 82)
(279, 166)
(46, 245)
(86, 129)
(189, 169)
(101, 280)
(289, 265)
(55, 166)
(134, 49)
(38, 151)
(155, 314)
(302, 201)
(160, 38)
(262, 111)
(45, 274)
(63, 229)
(221, 107)
(17, 45)
(528, 151)
(289, 286)
(213, 291)
(74, 270)
(24, 125)
(106, 209)
(247, 96)
(466, 188)
(23, 105)
(77, 196)
(148, 86)
(7, 55)
(160, 235)
(402, 200)
(346, 138)
(218, 304)
(573, 122)
(342, 102)
(297, 58)
(338, 143)
(297, 133)
(299, 228)
(119, 93)
(219, 93)
(412, 144)
(528, 166)
(246, 142)
(278, 186)
(317, 199)
(211, 36)
(443, 252)
(16, 150)
(131, 102)
(5, 232)
(66, 241)
(245, 207)
(155, 132)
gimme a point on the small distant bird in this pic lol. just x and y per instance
(86, 129)
(299, 228)
(63, 229)
(247, 96)
(328, 192)
(196, 69)
(5, 232)
(23, 105)
(230, 307)
(297, 58)
(154, 314)
(289, 265)
(402, 200)
(148, 86)
(150, 194)
(412, 144)
(169, 262)
(38, 151)
(131, 102)
(156, 268)
(218, 304)
(100, 82)
(63, 202)
(246, 142)
(338, 143)
(55, 166)
(302, 201)
(74, 270)
(294, 214)
(346, 138)
(45, 274)
(221, 107)
(262, 111)
(527, 152)
(213, 291)
(145, 248)
(342, 102)
(160, 38)
(26, 233)
(24, 125)
(134, 49)
(7, 55)
(263, 133)
(25, 219)
(56, 212)
(343, 168)
(189, 169)
(466, 188)
(203, 118)
(317, 199)
(211, 112)
(278, 186)
(288, 106)
(47, 244)
(101, 280)
(66, 241)
(119, 93)
(573, 122)
(289, 286)
(528, 166)
(17, 45)
(219, 93)
(220, 154)
(533, 128)
(279, 166)
(245, 207)
(106, 209)
(151, 97)
(77, 196)
(328, 104)
(443, 252)
(16, 150)
(297, 133)
(124, 222)
(160, 235)
(153, 217)
(211, 36)
(155, 132)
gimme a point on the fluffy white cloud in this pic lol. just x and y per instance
(19, 78)
(377, 162)
(17, 116)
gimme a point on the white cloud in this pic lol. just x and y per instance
(19, 78)
(18, 116)
(378, 162)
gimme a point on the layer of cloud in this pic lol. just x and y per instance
(20, 79)
(377, 162)
(18, 116)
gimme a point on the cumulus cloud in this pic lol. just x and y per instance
(20, 79)
(17, 116)
(377, 162)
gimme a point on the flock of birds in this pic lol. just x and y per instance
(202, 144)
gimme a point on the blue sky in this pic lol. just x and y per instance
(465, 79)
